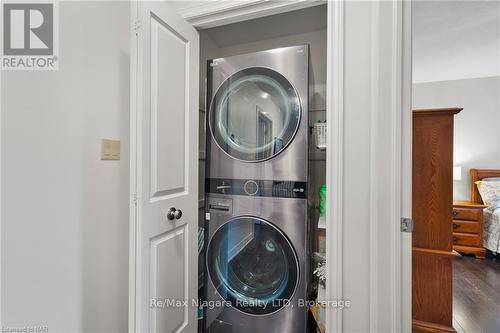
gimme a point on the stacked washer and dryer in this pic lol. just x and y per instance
(256, 231)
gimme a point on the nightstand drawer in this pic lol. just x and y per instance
(466, 239)
(467, 214)
(472, 227)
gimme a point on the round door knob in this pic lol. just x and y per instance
(174, 214)
(171, 214)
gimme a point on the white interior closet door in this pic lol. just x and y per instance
(164, 170)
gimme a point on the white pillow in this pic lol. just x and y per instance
(490, 193)
(491, 179)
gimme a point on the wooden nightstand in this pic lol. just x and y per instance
(468, 228)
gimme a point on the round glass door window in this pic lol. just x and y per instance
(255, 114)
(252, 265)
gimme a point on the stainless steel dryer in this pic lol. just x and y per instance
(257, 124)
(257, 260)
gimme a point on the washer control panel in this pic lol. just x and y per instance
(258, 188)
(251, 187)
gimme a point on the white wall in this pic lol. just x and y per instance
(455, 40)
(477, 127)
(65, 212)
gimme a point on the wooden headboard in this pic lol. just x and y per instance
(480, 174)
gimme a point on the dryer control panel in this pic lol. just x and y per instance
(258, 188)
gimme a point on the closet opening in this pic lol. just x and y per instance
(262, 173)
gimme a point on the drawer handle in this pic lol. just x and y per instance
(455, 238)
(455, 213)
(456, 226)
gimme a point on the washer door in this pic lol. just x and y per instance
(255, 114)
(252, 265)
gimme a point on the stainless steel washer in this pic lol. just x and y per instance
(257, 261)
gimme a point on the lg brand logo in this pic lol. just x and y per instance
(29, 31)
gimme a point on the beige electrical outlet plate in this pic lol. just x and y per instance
(110, 149)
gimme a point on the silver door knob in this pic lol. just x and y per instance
(174, 214)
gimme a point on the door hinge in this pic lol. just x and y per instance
(207, 216)
(406, 224)
(137, 25)
(135, 199)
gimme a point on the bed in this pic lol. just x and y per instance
(491, 224)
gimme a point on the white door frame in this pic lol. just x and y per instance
(334, 159)
(369, 84)
(134, 167)
(389, 27)
(222, 12)
(406, 193)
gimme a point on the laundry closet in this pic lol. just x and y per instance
(262, 170)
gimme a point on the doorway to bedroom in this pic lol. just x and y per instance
(456, 166)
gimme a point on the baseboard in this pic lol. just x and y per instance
(423, 326)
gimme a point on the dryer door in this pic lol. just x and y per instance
(252, 265)
(255, 114)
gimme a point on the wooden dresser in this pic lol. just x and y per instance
(432, 191)
(468, 228)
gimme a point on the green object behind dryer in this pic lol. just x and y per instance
(322, 200)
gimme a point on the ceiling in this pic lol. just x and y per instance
(289, 23)
(452, 39)
(455, 40)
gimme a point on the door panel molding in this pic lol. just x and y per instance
(155, 243)
(166, 185)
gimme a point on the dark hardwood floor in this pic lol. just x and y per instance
(476, 295)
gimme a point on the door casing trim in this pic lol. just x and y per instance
(221, 12)
(334, 160)
(400, 267)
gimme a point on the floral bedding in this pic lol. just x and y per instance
(491, 233)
